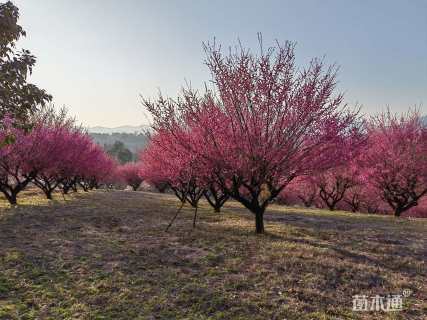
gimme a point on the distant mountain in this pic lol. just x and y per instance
(133, 141)
(121, 129)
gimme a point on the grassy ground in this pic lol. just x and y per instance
(104, 255)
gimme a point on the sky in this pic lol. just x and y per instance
(97, 57)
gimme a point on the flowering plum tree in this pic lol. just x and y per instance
(304, 189)
(95, 166)
(166, 161)
(74, 161)
(264, 124)
(215, 196)
(334, 183)
(21, 160)
(130, 174)
(353, 198)
(156, 165)
(161, 186)
(54, 147)
(58, 128)
(396, 159)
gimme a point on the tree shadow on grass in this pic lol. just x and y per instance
(107, 255)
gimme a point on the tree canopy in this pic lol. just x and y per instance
(18, 97)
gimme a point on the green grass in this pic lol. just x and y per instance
(105, 255)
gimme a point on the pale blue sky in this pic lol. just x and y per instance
(96, 57)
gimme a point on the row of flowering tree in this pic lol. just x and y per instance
(38, 145)
(385, 171)
(389, 173)
(268, 130)
(51, 153)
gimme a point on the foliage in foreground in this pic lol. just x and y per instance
(18, 97)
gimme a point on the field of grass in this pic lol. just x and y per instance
(105, 255)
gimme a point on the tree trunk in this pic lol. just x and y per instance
(12, 199)
(194, 218)
(217, 209)
(48, 194)
(259, 221)
(331, 206)
(398, 212)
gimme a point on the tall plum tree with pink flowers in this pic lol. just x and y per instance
(264, 124)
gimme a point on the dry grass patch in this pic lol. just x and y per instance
(105, 255)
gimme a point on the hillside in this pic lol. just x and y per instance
(133, 137)
(121, 129)
(133, 141)
(105, 255)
